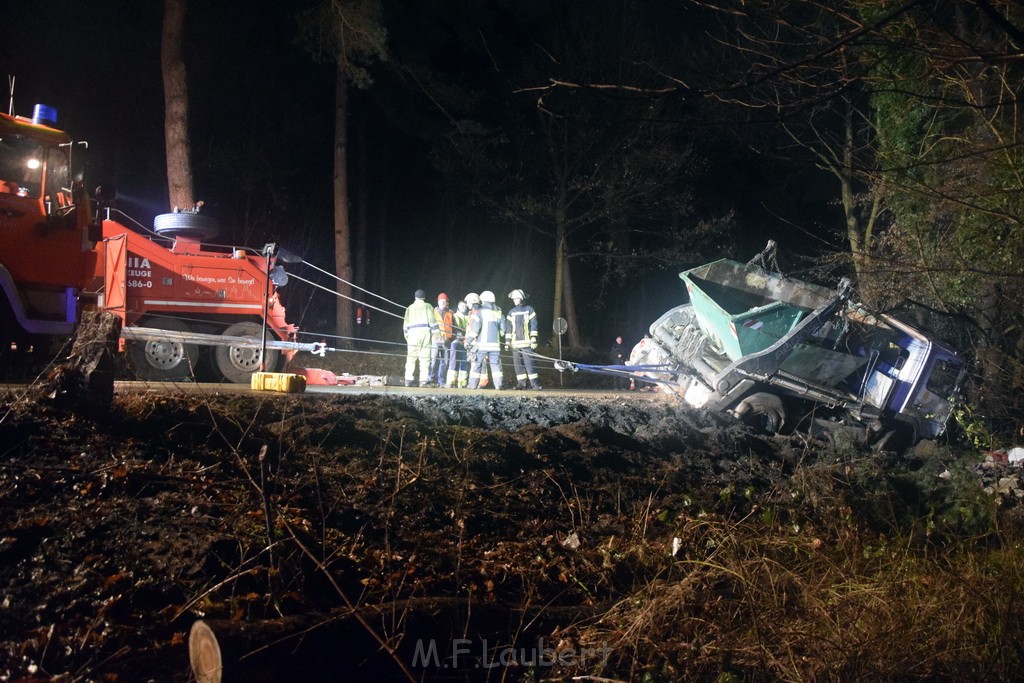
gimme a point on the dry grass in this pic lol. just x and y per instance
(771, 603)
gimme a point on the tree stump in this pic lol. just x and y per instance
(204, 653)
(85, 381)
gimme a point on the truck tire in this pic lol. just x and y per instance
(163, 360)
(237, 363)
(194, 225)
(762, 410)
(899, 438)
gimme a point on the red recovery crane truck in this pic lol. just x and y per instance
(174, 293)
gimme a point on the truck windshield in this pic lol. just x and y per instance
(21, 166)
(58, 177)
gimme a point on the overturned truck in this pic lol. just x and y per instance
(783, 352)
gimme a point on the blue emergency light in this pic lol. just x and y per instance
(44, 114)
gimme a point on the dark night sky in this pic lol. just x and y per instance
(99, 65)
(260, 104)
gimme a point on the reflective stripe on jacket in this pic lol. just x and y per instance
(522, 326)
(486, 328)
(419, 315)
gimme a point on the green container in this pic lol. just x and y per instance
(747, 309)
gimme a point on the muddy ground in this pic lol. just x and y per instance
(439, 538)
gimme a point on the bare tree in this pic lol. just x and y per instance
(887, 98)
(798, 70)
(347, 33)
(606, 164)
(590, 171)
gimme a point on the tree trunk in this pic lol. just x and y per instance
(362, 204)
(556, 305)
(342, 231)
(563, 292)
(360, 267)
(854, 231)
(573, 328)
(860, 224)
(383, 216)
(179, 164)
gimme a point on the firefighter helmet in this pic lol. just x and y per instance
(517, 294)
(472, 299)
(487, 297)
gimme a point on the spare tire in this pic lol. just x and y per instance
(193, 225)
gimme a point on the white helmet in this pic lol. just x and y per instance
(487, 296)
(517, 294)
(472, 299)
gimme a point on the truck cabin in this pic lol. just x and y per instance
(34, 165)
(906, 373)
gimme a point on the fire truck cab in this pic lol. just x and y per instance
(46, 256)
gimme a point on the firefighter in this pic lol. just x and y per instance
(522, 340)
(458, 366)
(617, 356)
(442, 340)
(486, 331)
(473, 301)
(419, 327)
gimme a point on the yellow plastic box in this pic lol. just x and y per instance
(283, 382)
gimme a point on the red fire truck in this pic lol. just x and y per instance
(187, 306)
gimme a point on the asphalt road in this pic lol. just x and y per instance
(226, 388)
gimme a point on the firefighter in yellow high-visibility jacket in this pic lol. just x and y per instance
(419, 328)
(458, 363)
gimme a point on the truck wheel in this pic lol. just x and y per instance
(237, 363)
(898, 439)
(763, 410)
(163, 360)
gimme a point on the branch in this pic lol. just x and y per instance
(558, 83)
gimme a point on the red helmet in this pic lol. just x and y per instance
(442, 295)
